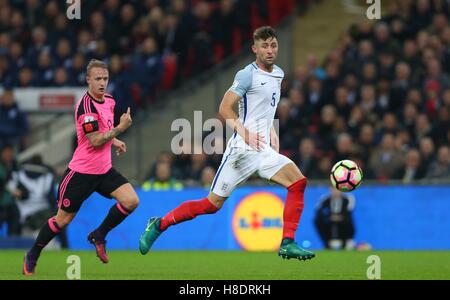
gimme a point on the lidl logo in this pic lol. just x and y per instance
(258, 222)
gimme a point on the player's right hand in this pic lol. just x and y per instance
(125, 120)
(255, 140)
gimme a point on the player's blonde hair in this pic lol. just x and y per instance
(95, 63)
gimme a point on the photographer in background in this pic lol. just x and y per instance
(334, 221)
(36, 201)
(9, 213)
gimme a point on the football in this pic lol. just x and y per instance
(346, 175)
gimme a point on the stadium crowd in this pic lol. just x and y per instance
(149, 44)
(381, 98)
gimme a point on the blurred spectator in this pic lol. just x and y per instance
(314, 94)
(119, 86)
(9, 212)
(423, 127)
(344, 147)
(207, 177)
(334, 220)
(324, 166)
(386, 159)
(61, 79)
(163, 179)
(62, 30)
(331, 81)
(427, 150)
(434, 72)
(432, 88)
(342, 102)
(409, 117)
(389, 124)
(383, 40)
(401, 84)
(385, 101)
(13, 122)
(366, 140)
(368, 101)
(286, 126)
(441, 125)
(300, 77)
(327, 126)
(63, 54)
(386, 61)
(163, 157)
(357, 118)
(440, 168)
(147, 77)
(299, 113)
(306, 157)
(369, 73)
(198, 163)
(351, 83)
(77, 72)
(38, 46)
(403, 141)
(25, 78)
(16, 60)
(4, 70)
(44, 71)
(413, 168)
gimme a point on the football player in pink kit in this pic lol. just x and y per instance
(90, 169)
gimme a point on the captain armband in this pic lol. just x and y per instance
(90, 124)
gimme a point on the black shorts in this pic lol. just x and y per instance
(75, 187)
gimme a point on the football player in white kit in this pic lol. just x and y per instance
(252, 148)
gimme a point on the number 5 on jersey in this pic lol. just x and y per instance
(273, 100)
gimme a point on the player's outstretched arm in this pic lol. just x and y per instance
(226, 110)
(97, 139)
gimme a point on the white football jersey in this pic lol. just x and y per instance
(260, 92)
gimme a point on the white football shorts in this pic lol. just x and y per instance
(238, 165)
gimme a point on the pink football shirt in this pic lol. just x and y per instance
(91, 116)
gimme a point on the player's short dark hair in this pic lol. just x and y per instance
(264, 33)
(95, 63)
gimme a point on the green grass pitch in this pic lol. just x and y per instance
(231, 265)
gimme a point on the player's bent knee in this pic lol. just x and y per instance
(62, 221)
(217, 201)
(130, 203)
(135, 203)
(294, 173)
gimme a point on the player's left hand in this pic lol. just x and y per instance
(121, 147)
